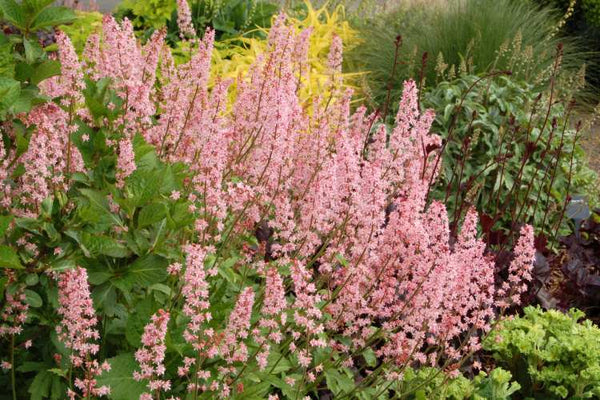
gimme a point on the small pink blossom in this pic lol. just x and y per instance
(77, 329)
(184, 20)
(152, 354)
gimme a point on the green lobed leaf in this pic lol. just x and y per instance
(40, 387)
(151, 214)
(138, 319)
(144, 272)
(102, 245)
(9, 91)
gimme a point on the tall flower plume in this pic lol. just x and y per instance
(77, 330)
(152, 354)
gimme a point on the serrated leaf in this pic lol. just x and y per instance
(151, 214)
(53, 16)
(120, 378)
(10, 90)
(100, 203)
(370, 357)
(9, 258)
(105, 298)
(13, 12)
(143, 185)
(137, 320)
(23, 71)
(144, 272)
(28, 97)
(31, 366)
(33, 51)
(338, 382)
(161, 288)
(283, 364)
(105, 245)
(37, 5)
(255, 392)
(98, 277)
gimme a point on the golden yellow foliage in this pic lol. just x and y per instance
(233, 58)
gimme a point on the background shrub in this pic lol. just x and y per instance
(508, 152)
(230, 19)
(550, 354)
(463, 36)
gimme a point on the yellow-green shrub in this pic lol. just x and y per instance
(86, 23)
(233, 58)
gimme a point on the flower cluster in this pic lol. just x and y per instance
(77, 331)
(152, 355)
(327, 207)
(14, 313)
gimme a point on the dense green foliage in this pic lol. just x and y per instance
(433, 384)
(550, 354)
(501, 156)
(23, 62)
(471, 36)
(126, 254)
(229, 18)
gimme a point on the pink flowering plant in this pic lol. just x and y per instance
(160, 243)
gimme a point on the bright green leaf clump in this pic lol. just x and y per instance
(550, 353)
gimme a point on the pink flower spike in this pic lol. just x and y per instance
(152, 354)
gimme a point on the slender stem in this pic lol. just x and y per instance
(12, 367)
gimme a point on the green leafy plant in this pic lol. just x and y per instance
(24, 63)
(146, 14)
(85, 23)
(146, 229)
(509, 152)
(431, 383)
(551, 354)
(30, 16)
(229, 18)
(460, 37)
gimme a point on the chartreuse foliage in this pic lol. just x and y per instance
(229, 18)
(551, 354)
(430, 383)
(146, 14)
(84, 24)
(233, 58)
